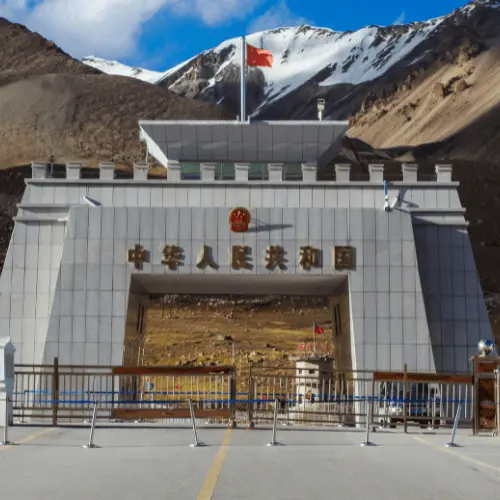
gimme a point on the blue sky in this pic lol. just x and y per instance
(159, 34)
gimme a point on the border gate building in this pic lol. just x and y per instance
(86, 254)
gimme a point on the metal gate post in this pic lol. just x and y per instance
(475, 398)
(55, 390)
(232, 400)
(112, 395)
(250, 424)
(497, 397)
(405, 393)
(373, 403)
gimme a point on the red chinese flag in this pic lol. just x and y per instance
(318, 330)
(259, 57)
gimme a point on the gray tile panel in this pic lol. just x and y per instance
(225, 194)
(253, 141)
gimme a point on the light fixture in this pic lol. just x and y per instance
(321, 108)
(387, 208)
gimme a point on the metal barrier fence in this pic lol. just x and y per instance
(340, 398)
(122, 393)
(314, 398)
(422, 399)
(347, 398)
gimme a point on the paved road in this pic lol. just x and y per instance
(157, 463)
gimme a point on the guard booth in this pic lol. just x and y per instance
(486, 392)
(313, 379)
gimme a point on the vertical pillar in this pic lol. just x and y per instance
(409, 172)
(38, 170)
(275, 172)
(207, 171)
(141, 171)
(309, 172)
(241, 172)
(443, 173)
(107, 171)
(173, 171)
(342, 172)
(376, 173)
(73, 171)
(7, 351)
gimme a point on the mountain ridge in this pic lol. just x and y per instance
(282, 41)
(116, 68)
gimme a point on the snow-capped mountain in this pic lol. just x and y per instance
(345, 68)
(302, 55)
(119, 69)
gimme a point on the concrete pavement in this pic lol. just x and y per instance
(157, 463)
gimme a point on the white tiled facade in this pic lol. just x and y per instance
(415, 297)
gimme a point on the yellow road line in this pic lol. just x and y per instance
(459, 455)
(29, 438)
(208, 488)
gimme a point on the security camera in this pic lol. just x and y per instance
(389, 207)
(91, 202)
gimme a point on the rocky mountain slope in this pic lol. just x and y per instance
(51, 103)
(225, 330)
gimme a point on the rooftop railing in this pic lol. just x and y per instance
(241, 172)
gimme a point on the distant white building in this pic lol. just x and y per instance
(314, 379)
(321, 396)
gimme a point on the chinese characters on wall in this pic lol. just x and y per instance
(343, 257)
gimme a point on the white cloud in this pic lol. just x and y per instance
(111, 28)
(216, 12)
(278, 16)
(399, 20)
(10, 8)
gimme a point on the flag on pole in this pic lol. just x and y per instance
(251, 56)
(259, 57)
(317, 329)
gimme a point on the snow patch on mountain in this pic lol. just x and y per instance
(119, 69)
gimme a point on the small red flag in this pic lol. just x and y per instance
(318, 330)
(259, 57)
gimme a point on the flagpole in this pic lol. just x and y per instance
(243, 100)
(314, 339)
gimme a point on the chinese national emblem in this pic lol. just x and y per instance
(239, 219)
